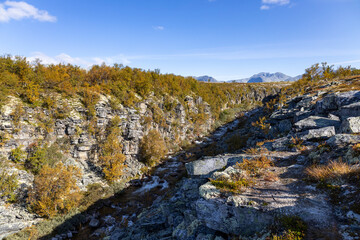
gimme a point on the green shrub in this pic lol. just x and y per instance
(230, 185)
(38, 156)
(17, 155)
(8, 185)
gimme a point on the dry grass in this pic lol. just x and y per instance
(271, 177)
(332, 171)
(255, 166)
(252, 151)
(256, 150)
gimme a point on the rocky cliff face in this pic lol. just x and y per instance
(78, 137)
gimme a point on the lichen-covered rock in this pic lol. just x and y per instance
(206, 166)
(282, 114)
(279, 144)
(351, 110)
(333, 102)
(227, 218)
(351, 125)
(321, 133)
(328, 103)
(209, 191)
(313, 122)
(342, 140)
(13, 218)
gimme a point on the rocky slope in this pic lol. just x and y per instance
(282, 200)
(68, 128)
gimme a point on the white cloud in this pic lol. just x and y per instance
(266, 4)
(83, 62)
(264, 7)
(158, 28)
(19, 10)
(277, 2)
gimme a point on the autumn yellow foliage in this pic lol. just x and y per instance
(111, 158)
(152, 148)
(34, 83)
(54, 190)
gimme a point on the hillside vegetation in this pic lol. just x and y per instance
(35, 83)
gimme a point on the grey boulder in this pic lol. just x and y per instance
(351, 125)
(342, 140)
(205, 167)
(314, 122)
(321, 133)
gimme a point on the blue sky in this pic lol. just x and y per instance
(226, 39)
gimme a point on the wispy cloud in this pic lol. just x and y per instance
(255, 52)
(84, 62)
(264, 7)
(267, 4)
(12, 10)
(158, 28)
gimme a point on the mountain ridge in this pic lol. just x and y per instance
(256, 78)
(206, 78)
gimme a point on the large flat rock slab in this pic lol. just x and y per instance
(314, 122)
(318, 134)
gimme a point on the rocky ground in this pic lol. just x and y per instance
(310, 129)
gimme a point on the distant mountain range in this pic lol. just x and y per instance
(206, 79)
(268, 77)
(260, 77)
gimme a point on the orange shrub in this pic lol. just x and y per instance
(54, 190)
(256, 165)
